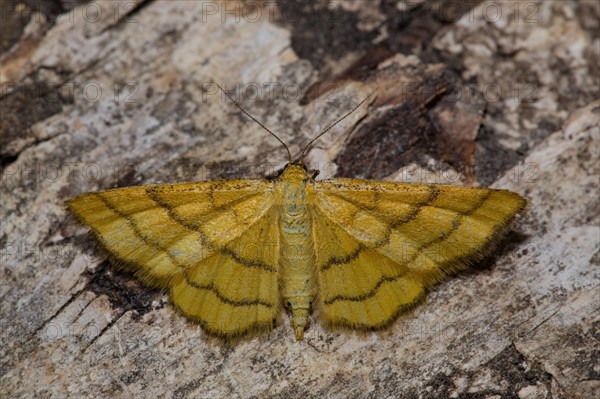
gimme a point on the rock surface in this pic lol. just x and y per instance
(107, 94)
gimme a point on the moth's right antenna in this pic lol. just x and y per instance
(255, 120)
(303, 154)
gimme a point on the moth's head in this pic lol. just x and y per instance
(294, 172)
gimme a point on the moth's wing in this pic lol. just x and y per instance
(380, 244)
(214, 245)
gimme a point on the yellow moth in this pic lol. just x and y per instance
(233, 253)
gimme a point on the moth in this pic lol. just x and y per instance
(233, 253)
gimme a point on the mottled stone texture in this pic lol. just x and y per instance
(117, 93)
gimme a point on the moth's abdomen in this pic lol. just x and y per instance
(297, 259)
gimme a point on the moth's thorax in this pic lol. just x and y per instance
(292, 191)
(294, 173)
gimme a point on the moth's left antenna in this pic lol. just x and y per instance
(255, 120)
